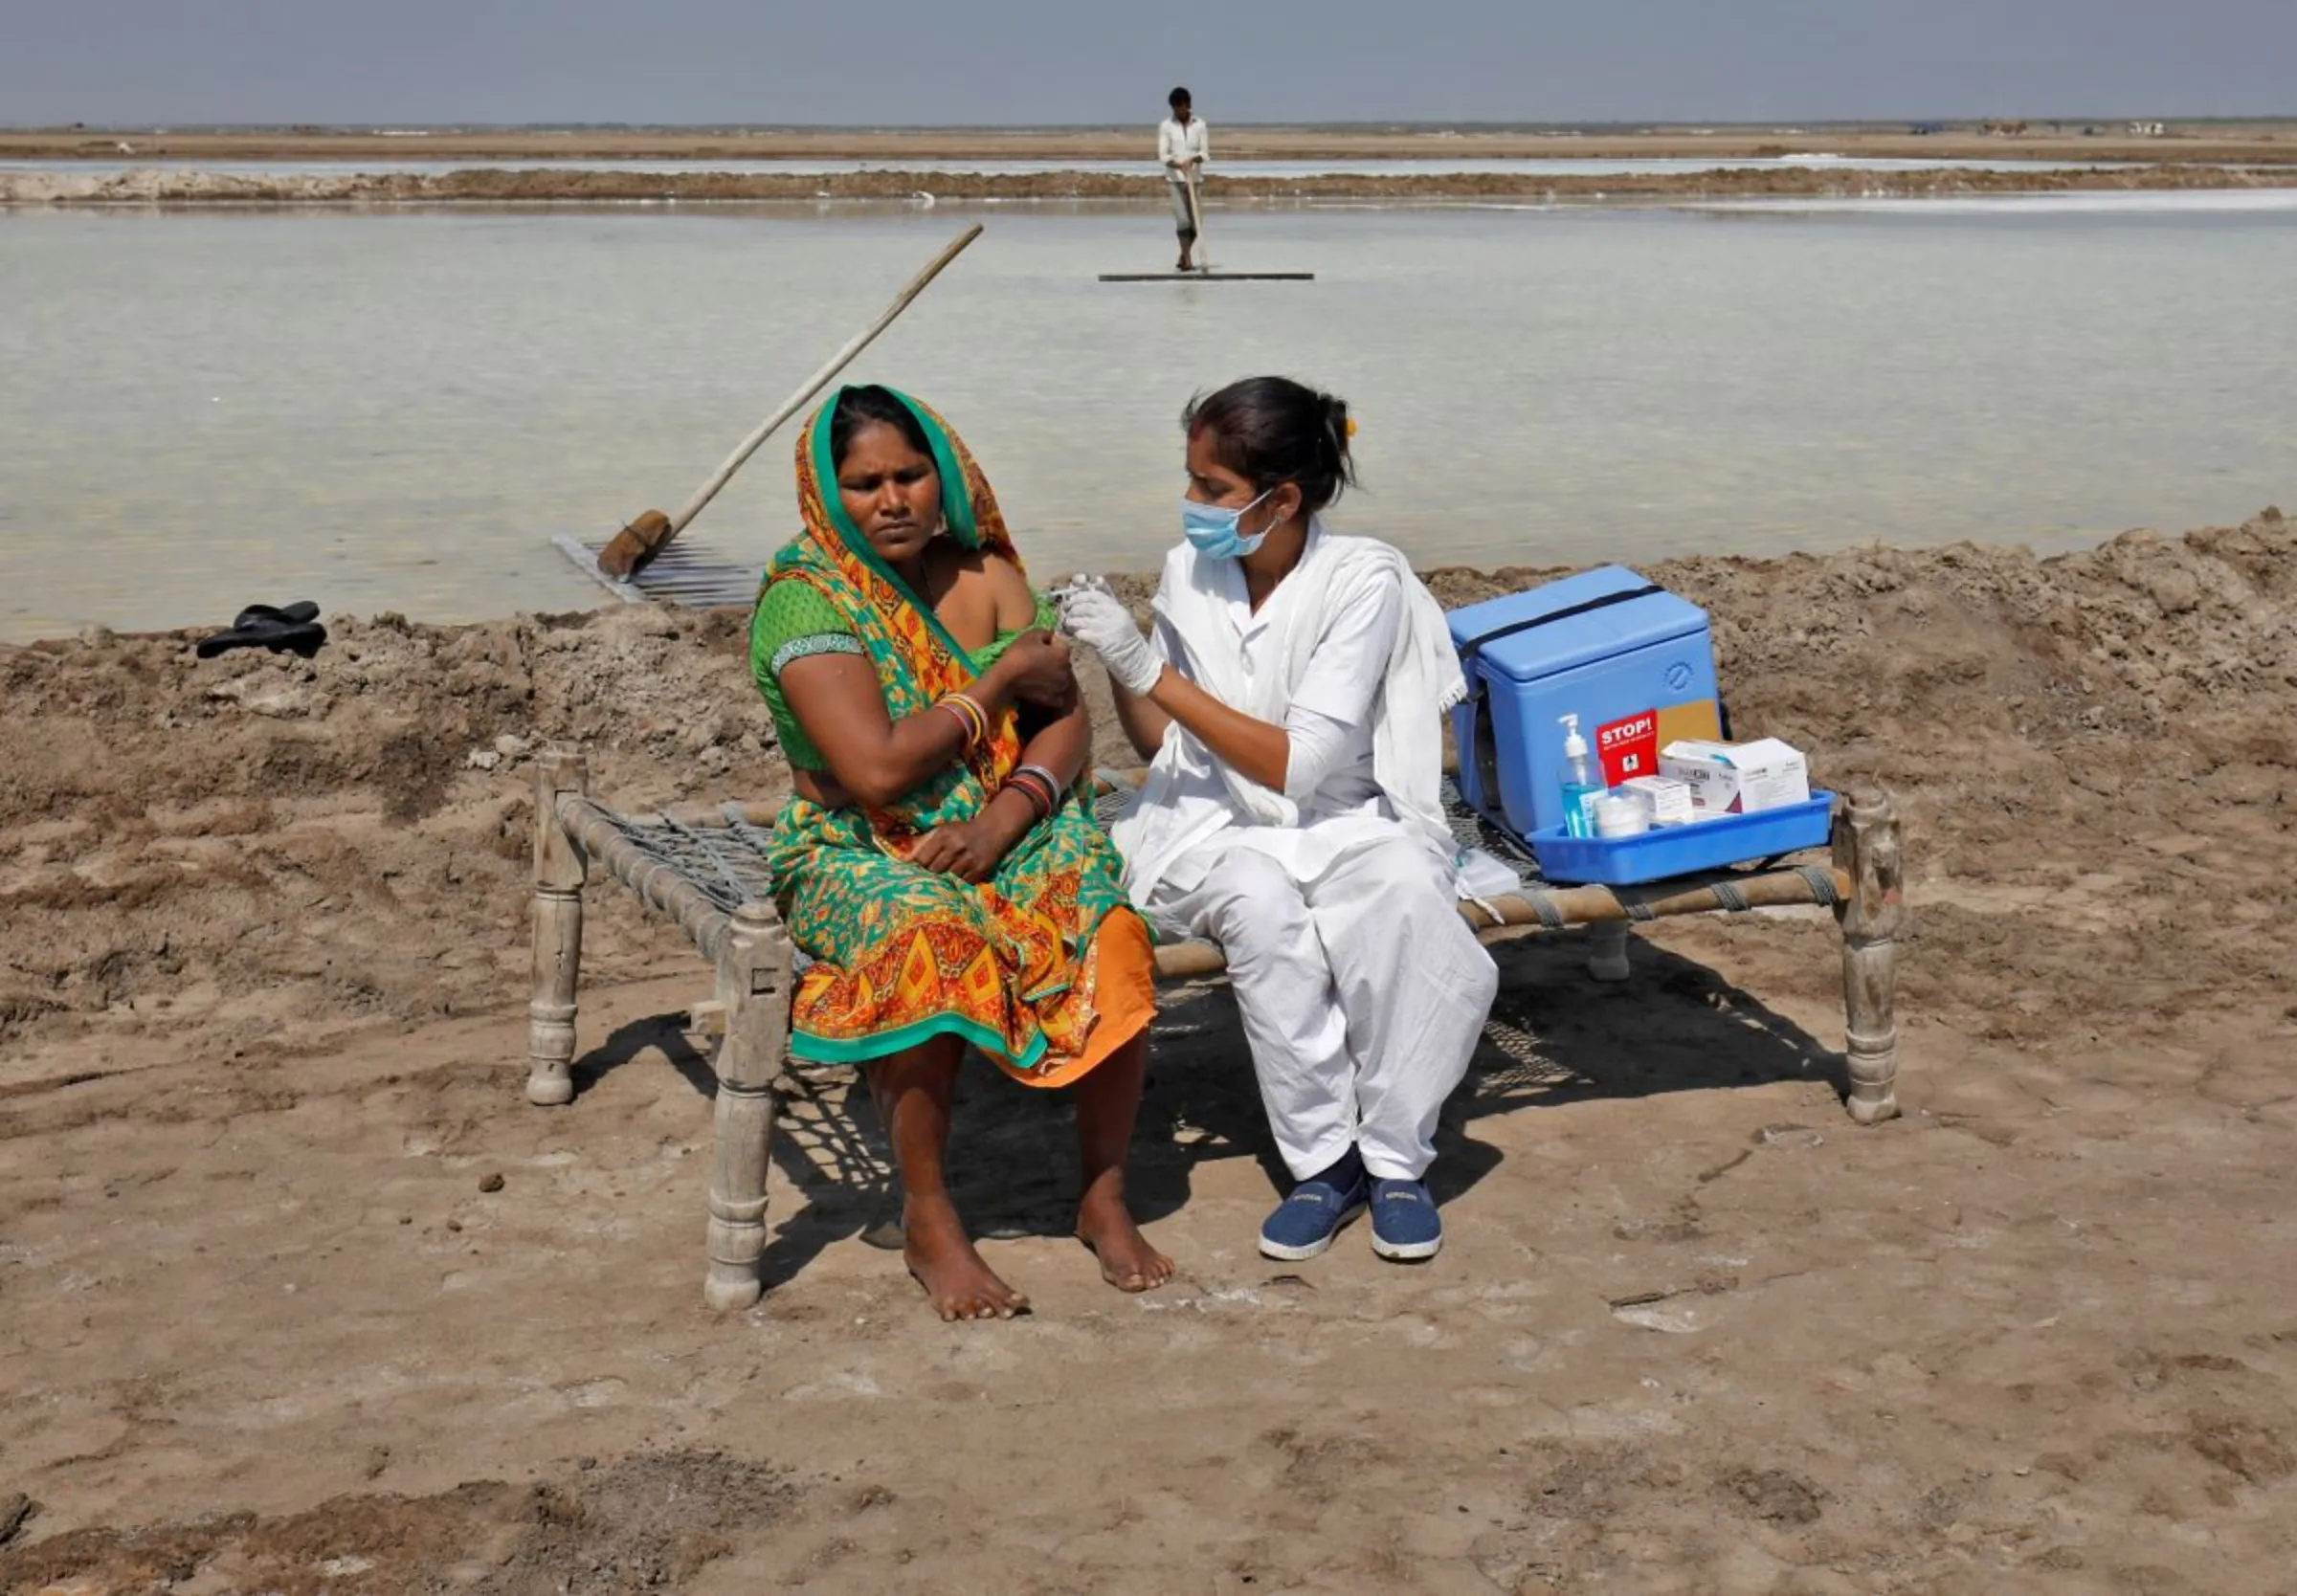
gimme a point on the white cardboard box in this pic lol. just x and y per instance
(1663, 800)
(1738, 778)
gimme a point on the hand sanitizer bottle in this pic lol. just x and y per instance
(1582, 784)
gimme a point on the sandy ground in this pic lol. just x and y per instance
(296, 1293)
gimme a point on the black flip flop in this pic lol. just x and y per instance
(301, 611)
(294, 628)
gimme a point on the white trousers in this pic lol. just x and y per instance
(1362, 991)
(1184, 220)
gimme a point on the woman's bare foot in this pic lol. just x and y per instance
(940, 1255)
(1128, 1262)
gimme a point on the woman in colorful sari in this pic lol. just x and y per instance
(936, 861)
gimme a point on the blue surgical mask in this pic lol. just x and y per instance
(1211, 529)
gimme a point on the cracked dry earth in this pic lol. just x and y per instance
(297, 1294)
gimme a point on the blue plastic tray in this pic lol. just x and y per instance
(1680, 850)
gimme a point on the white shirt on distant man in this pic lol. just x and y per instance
(1178, 142)
(1181, 145)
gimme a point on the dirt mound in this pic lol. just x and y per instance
(647, 1522)
(212, 846)
(178, 837)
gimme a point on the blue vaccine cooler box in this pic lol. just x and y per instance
(1637, 665)
(1634, 661)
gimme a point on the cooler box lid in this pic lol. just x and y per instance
(1566, 624)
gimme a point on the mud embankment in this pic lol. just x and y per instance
(494, 186)
(206, 848)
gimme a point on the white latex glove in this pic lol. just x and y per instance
(1095, 617)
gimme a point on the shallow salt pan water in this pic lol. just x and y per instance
(1399, 166)
(398, 410)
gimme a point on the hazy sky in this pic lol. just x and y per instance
(1021, 61)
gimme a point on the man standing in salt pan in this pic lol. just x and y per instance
(1181, 146)
(1291, 700)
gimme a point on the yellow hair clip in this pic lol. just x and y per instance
(1351, 426)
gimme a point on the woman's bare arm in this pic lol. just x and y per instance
(1255, 748)
(1009, 590)
(974, 848)
(873, 759)
(1145, 724)
(1339, 687)
(1064, 747)
(876, 761)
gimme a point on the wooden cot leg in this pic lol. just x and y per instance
(1607, 949)
(560, 868)
(754, 985)
(1866, 849)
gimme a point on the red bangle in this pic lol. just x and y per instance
(1031, 787)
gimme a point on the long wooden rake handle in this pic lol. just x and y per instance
(646, 537)
(1204, 259)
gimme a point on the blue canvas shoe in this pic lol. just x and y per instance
(1405, 1226)
(1304, 1223)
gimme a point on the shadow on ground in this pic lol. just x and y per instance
(1555, 1037)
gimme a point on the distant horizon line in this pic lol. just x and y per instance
(386, 128)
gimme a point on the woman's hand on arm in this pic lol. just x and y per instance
(1035, 670)
(974, 848)
(877, 759)
(1037, 663)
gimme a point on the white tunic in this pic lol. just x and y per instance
(1175, 144)
(1362, 991)
(1189, 796)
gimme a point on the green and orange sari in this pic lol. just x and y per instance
(1046, 968)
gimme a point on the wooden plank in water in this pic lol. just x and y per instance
(1208, 277)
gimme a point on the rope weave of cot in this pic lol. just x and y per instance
(728, 863)
(1823, 885)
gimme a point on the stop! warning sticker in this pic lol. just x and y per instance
(1629, 747)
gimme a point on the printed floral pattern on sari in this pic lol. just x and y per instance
(903, 953)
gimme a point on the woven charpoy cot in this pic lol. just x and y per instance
(704, 869)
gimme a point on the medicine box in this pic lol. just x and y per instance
(1738, 778)
(1631, 660)
(1663, 800)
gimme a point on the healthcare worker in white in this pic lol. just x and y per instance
(1290, 699)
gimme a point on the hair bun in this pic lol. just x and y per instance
(1274, 429)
